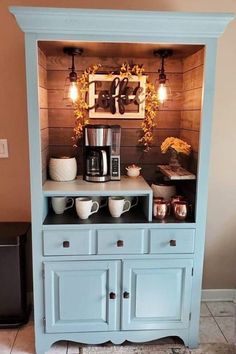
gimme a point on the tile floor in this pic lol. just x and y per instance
(217, 325)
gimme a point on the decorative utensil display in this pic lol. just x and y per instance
(62, 169)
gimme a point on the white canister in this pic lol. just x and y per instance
(62, 169)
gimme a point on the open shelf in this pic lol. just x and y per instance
(134, 215)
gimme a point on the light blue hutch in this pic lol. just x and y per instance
(134, 279)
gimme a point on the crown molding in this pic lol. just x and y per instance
(116, 23)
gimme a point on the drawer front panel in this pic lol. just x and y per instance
(67, 242)
(172, 240)
(128, 241)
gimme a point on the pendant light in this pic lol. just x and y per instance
(71, 90)
(163, 90)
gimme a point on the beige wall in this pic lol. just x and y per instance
(220, 255)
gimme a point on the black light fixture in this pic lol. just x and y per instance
(72, 91)
(162, 91)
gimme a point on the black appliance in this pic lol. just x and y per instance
(101, 152)
(14, 309)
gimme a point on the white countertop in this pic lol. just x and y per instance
(126, 186)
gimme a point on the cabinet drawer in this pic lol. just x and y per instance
(172, 240)
(67, 242)
(124, 241)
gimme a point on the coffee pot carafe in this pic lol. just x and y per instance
(96, 163)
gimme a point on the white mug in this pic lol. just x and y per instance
(60, 204)
(133, 201)
(84, 206)
(118, 206)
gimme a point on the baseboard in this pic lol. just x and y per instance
(219, 295)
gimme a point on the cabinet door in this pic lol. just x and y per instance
(156, 294)
(77, 296)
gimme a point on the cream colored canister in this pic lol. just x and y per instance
(62, 169)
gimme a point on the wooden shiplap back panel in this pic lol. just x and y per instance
(61, 117)
(192, 101)
(43, 105)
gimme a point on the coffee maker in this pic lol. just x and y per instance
(101, 152)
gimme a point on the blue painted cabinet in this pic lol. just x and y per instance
(134, 281)
(87, 296)
(77, 296)
(156, 293)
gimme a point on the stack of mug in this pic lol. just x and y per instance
(178, 206)
(86, 206)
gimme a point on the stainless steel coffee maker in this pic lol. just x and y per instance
(101, 153)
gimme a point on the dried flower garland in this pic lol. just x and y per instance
(151, 103)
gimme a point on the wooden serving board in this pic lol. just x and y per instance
(181, 174)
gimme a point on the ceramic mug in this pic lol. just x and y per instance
(118, 206)
(60, 204)
(85, 207)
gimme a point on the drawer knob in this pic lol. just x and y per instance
(120, 243)
(126, 295)
(112, 296)
(172, 243)
(66, 244)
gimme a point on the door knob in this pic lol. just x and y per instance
(173, 243)
(66, 244)
(120, 243)
(126, 295)
(112, 295)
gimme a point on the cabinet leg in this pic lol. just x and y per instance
(42, 348)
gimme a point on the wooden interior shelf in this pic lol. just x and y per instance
(181, 174)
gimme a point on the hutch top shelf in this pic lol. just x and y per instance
(126, 186)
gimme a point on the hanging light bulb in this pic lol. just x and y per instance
(163, 89)
(71, 90)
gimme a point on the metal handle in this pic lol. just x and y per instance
(104, 162)
(112, 296)
(66, 244)
(120, 243)
(173, 243)
(126, 295)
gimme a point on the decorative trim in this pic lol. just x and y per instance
(219, 295)
(115, 24)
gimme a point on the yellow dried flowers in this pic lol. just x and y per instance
(177, 144)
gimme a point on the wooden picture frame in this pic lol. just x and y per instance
(125, 89)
